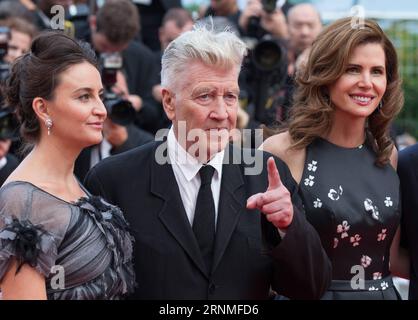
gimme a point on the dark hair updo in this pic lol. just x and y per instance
(36, 74)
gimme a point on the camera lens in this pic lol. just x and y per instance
(267, 55)
(120, 111)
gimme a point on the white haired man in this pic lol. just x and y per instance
(205, 229)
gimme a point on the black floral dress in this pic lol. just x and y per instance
(354, 206)
(83, 249)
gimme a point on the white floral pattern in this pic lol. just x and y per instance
(360, 208)
(388, 202)
(381, 236)
(366, 261)
(317, 203)
(384, 285)
(309, 181)
(334, 194)
(343, 228)
(377, 276)
(373, 210)
(312, 166)
(355, 240)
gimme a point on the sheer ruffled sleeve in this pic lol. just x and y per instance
(32, 225)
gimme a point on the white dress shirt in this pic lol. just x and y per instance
(186, 171)
(100, 152)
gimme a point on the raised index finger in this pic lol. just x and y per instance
(273, 174)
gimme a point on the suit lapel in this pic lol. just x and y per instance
(173, 214)
(231, 205)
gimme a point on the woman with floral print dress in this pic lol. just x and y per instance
(338, 148)
(56, 240)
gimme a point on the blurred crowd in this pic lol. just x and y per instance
(324, 98)
(129, 38)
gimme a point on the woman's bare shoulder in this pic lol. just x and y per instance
(279, 144)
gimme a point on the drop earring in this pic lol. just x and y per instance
(48, 124)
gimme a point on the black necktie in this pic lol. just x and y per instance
(204, 216)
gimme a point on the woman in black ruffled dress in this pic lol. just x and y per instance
(56, 240)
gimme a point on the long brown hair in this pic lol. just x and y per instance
(311, 114)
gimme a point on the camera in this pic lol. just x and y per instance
(268, 55)
(119, 110)
(264, 74)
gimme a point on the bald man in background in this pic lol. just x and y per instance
(304, 25)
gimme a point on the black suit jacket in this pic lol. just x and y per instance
(136, 137)
(11, 165)
(408, 174)
(168, 262)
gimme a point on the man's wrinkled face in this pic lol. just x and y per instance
(205, 101)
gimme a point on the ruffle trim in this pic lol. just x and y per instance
(28, 243)
(110, 221)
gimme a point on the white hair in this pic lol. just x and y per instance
(219, 49)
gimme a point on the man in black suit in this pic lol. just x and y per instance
(408, 174)
(193, 201)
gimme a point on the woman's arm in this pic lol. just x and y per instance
(27, 284)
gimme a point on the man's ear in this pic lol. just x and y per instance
(39, 106)
(168, 101)
(92, 22)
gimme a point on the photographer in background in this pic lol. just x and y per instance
(16, 36)
(8, 162)
(8, 127)
(113, 29)
(261, 17)
(265, 68)
(21, 34)
(269, 78)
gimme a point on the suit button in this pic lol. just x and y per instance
(212, 288)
